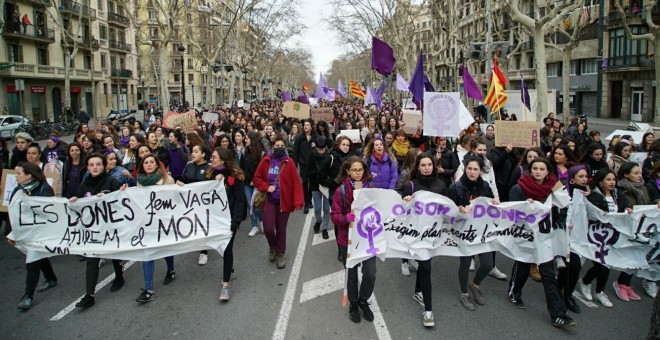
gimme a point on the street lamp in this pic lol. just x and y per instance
(183, 83)
(192, 85)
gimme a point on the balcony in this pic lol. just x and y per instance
(118, 19)
(119, 46)
(628, 63)
(83, 43)
(40, 34)
(72, 7)
(121, 73)
(39, 2)
(21, 70)
(527, 46)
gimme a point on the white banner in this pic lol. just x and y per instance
(626, 241)
(431, 225)
(136, 224)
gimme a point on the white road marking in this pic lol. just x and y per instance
(318, 238)
(379, 322)
(322, 286)
(99, 286)
(285, 311)
(583, 300)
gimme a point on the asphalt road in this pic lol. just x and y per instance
(302, 301)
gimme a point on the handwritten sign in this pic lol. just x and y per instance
(210, 117)
(323, 113)
(9, 184)
(187, 121)
(520, 134)
(296, 110)
(412, 120)
(353, 135)
(139, 224)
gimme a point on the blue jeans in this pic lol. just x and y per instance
(255, 216)
(318, 198)
(148, 269)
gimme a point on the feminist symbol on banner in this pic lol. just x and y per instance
(602, 235)
(370, 226)
(443, 110)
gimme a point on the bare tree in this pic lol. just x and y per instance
(653, 38)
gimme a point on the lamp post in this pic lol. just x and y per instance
(183, 83)
(192, 85)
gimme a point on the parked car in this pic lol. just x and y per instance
(9, 124)
(121, 116)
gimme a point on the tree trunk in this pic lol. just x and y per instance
(67, 80)
(565, 83)
(232, 90)
(210, 90)
(164, 68)
(541, 74)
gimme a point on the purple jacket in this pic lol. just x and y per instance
(385, 173)
(178, 159)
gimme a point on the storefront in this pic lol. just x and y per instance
(38, 103)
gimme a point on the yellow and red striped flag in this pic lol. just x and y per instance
(496, 97)
(356, 90)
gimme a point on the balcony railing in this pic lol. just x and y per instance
(84, 42)
(47, 71)
(118, 19)
(39, 2)
(119, 45)
(635, 61)
(29, 32)
(121, 73)
(69, 6)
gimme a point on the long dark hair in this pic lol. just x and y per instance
(600, 175)
(415, 171)
(255, 150)
(346, 166)
(227, 156)
(33, 170)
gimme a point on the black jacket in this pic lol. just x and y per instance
(248, 168)
(235, 197)
(66, 172)
(42, 190)
(450, 163)
(194, 172)
(162, 155)
(597, 199)
(302, 148)
(17, 157)
(94, 185)
(313, 165)
(464, 190)
(426, 183)
(329, 170)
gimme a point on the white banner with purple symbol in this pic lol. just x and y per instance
(445, 114)
(431, 225)
(626, 241)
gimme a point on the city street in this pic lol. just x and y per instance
(301, 301)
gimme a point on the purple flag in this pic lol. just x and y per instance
(524, 94)
(369, 96)
(470, 86)
(401, 83)
(286, 96)
(319, 93)
(340, 89)
(382, 56)
(427, 85)
(377, 97)
(302, 98)
(416, 86)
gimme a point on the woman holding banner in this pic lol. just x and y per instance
(32, 181)
(223, 167)
(151, 173)
(195, 171)
(424, 176)
(537, 184)
(468, 187)
(353, 171)
(98, 183)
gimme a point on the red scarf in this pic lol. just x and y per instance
(535, 191)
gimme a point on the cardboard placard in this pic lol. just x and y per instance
(412, 120)
(187, 121)
(239, 103)
(296, 110)
(322, 113)
(9, 184)
(210, 117)
(519, 134)
(353, 135)
(246, 106)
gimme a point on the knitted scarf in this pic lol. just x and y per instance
(148, 180)
(634, 189)
(400, 149)
(29, 186)
(536, 191)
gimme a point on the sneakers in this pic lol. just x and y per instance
(419, 298)
(563, 322)
(412, 264)
(366, 311)
(650, 288)
(272, 254)
(496, 273)
(146, 296)
(603, 299)
(306, 210)
(203, 259)
(354, 312)
(631, 293)
(325, 235)
(585, 290)
(225, 294)
(466, 301)
(405, 271)
(253, 231)
(48, 285)
(117, 283)
(621, 291)
(572, 305)
(86, 302)
(476, 294)
(281, 261)
(26, 303)
(472, 266)
(427, 319)
(317, 227)
(534, 273)
(517, 302)
(101, 263)
(559, 262)
(169, 277)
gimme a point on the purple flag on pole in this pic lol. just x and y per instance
(340, 89)
(470, 86)
(382, 56)
(427, 85)
(369, 96)
(401, 83)
(319, 93)
(379, 95)
(286, 96)
(524, 94)
(416, 86)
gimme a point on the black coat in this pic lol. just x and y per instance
(17, 157)
(449, 162)
(302, 148)
(464, 191)
(248, 167)
(313, 165)
(235, 197)
(42, 190)
(432, 184)
(597, 199)
(66, 172)
(194, 172)
(329, 170)
(94, 185)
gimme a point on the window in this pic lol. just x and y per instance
(15, 52)
(105, 92)
(88, 61)
(111, 7)
(588, 66)
(153, 32)
(574, 67)
(191, 78)
(152, 16)
(177, 78)
(190, 17)
(103, 31)
(190, 64)
(624, 52)
(530, 60)
(99, 4)
(553, 69)
(104, 63)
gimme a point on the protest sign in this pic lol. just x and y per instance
(210, 117)
(239, 103)
(412, 120)
(353, 135)
(431, 225)
(619, 240)
(137, 224)
(187, 121)
(296, 110)
(445, 114)
(246, 106)
(520, 134)
(323, 113)
(9, 184)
